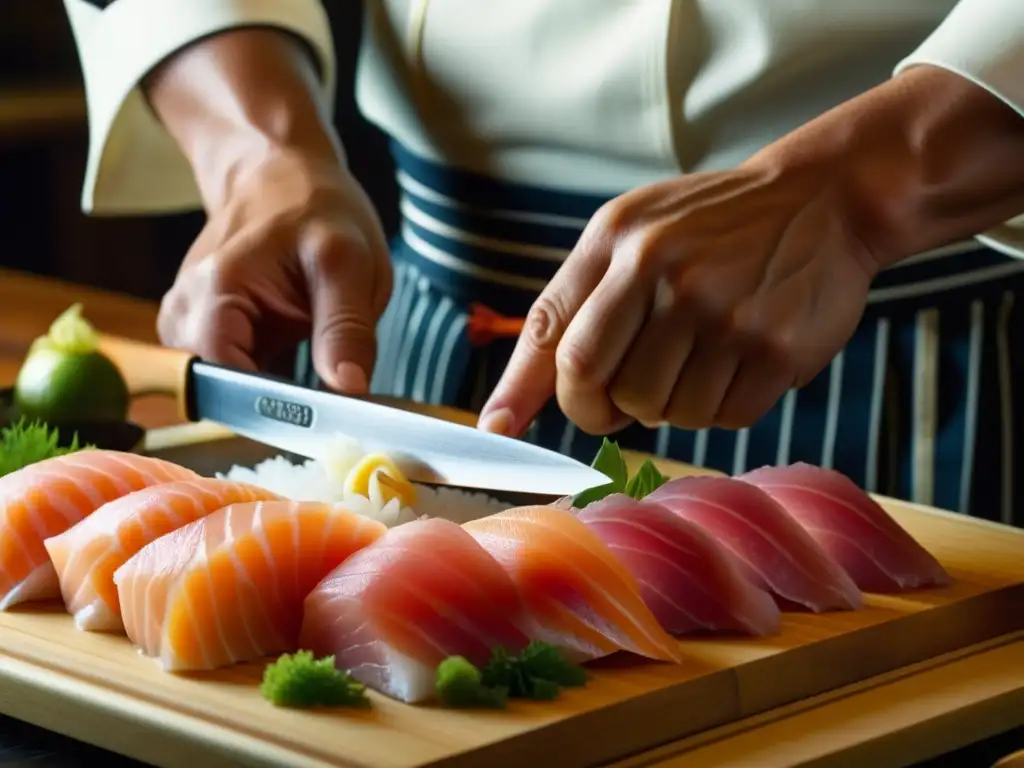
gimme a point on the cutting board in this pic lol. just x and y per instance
(98, 689)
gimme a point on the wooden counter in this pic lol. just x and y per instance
(893, 720)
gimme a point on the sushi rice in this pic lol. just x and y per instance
(324, 480)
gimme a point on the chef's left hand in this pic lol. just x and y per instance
(696, 301)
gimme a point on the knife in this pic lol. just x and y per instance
(307, 422)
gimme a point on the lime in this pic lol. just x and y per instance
(62, 388)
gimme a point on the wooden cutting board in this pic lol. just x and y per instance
(98, 689)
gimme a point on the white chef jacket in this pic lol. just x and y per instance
(580, 95)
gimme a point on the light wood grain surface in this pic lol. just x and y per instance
(92, 688)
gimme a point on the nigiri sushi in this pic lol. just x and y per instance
(877, 553)
(86, 555)
(46, 498)
(229, 587)
(688, 580)
(399, 607)
(580, 598)
(779, 554)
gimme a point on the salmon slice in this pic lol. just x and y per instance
(689, 581)
(45, 499)
(395, 610)
(229, 587)
(579, 596)
(87, 554)
(875, 550)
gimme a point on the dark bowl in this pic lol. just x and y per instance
(109, 435)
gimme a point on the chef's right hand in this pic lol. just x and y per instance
(292, 245)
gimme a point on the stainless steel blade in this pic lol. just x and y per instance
(306, 422)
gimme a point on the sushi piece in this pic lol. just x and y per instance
(877, 553)
(396, 609)
(778, 553)
(45, 499)
(688, 580)
(229, 587)
(87, 554)
(580, 598)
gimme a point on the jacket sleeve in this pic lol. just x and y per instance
(134, 166)
(983, 40)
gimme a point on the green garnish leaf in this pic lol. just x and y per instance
(301, 680)
(25, 443)
(460, 684)
(646, 480)
(609, 461)
(538, 673)
(546, 662)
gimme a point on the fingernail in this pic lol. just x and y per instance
(499, 422)
(351, 379)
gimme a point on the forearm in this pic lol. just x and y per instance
(236, 97)
(923, 160)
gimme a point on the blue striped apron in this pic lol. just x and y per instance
(919, 405)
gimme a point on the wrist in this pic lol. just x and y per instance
(238, 100)
(926, 159)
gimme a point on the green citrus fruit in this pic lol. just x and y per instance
(62, 388)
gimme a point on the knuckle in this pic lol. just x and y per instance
(545, 324)
(632, 401)
(578, 365)
(736, 416)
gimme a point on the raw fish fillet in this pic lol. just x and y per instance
(395, 610)
(579, 596)
(877, 553)
(779, 554)
(229, 587)
(87, 554)
(688, 580)
(46, 498)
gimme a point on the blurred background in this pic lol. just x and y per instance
(43, 143)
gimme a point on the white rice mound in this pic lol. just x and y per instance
(324, 481)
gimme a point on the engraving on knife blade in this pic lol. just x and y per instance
(285, 411)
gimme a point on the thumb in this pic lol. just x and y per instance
(529, 380)
(342, 297)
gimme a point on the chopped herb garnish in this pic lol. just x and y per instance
(610, 461)
(300, 680)
(538, 673)
(460, 684)
(25, 443)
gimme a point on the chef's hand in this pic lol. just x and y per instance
(698, 301)
(292, 245)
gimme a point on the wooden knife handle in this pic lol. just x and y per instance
(150, 369)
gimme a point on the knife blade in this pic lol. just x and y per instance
(307, 422)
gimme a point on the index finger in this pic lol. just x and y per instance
(528, 382)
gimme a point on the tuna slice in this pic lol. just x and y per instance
(877, 553)
(778, 553)
(688, 580)
(395, 610)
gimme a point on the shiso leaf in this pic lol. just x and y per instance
(301, 680)
(646, 480)
(25, 443)
(610, 461)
